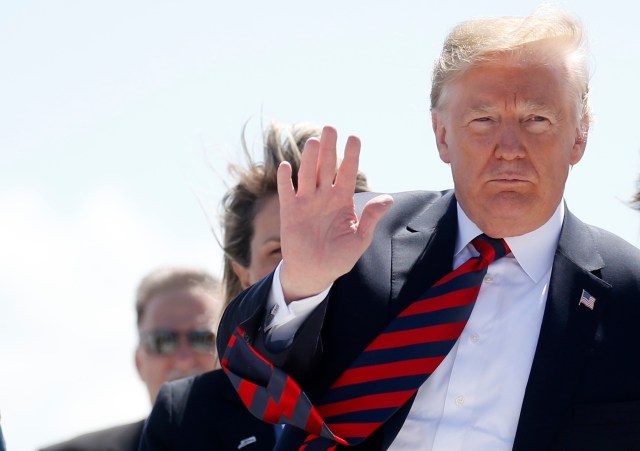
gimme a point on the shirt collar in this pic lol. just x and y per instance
(534, 251)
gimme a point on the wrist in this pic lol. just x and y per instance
(297, 285)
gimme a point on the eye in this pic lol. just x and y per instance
(481, 124)
(537, 123)
(202, 341)
(160, 342)
(271, 250)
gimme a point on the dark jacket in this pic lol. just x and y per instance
(583, 391)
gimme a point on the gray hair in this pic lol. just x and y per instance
(166, 279)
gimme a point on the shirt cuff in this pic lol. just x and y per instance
(283, 321)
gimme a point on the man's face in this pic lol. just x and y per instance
(510, 132)
(180, 311)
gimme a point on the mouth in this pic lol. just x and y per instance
(509, 178)
(509, 184)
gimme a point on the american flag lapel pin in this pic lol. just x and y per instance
(587, 300)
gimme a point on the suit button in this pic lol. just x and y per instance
(246, 337)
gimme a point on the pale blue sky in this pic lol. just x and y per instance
(118, 118)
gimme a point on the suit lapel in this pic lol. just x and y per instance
(565, 337)
(422, 252)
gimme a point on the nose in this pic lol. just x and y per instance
(184, 357)
(509, 145)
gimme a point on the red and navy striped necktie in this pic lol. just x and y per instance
(386, 374)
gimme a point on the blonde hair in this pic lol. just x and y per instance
(256, 182)
(548, 33)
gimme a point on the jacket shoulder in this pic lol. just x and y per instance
(204, 412)
(409, 206)
(621, 259)
(125, 438)
(404, 200)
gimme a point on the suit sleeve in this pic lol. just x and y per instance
(248, 311)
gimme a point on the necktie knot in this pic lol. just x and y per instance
(490, 249)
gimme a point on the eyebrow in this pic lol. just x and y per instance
(529, 105)
(481, 109)
(271, 239)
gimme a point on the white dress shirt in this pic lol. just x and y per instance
(473, 399)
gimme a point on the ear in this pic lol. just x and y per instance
(242, 272)
(580, 143)
(441, 134)
(138, 361)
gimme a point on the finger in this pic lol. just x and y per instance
(286, 192)
(327, 158)
(307, 180)
(348, 170)
(372, 213)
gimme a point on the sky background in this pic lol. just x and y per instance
(118, 120)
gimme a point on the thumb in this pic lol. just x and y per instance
(372, 213)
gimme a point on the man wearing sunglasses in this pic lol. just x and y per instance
(178, 310)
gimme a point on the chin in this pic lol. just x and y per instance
(510, 204)
(179, 374)
(505, 222)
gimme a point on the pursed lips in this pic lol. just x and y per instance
(509, 177)
(509, 181)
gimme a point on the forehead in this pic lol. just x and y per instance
(510, 82)
(184, 308)
(267, 220)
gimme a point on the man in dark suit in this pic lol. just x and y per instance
(546, 358)
(177, 311)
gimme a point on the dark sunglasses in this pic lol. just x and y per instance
(165, 342)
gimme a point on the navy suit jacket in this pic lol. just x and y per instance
(203, 413)
(583, 391)
(118, 438)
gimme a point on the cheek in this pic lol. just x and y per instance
(561, 173)
(153, 368)
(207, 362)
(465, 166)
(468, 147)
(260, 270)
(555, 163)
(261, 267)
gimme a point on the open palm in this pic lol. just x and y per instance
(321, 236)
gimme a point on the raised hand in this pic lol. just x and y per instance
(321, 236)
